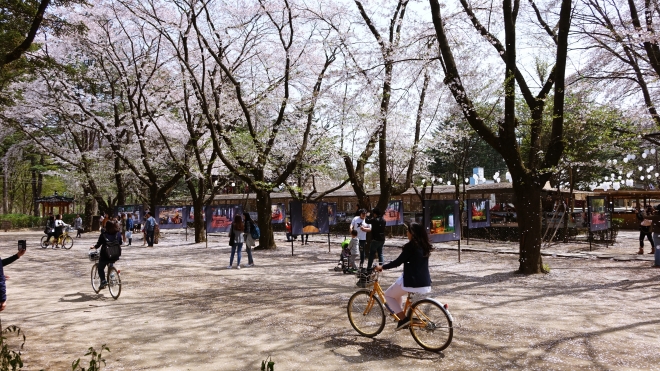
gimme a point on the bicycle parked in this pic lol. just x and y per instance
(431, 324)
(64, 240)
(112, 275)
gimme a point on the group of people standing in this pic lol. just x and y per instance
(362, 224)
(240, 233)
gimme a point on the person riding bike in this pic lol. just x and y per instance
(111, 234)
(58, 229)
(416, 276)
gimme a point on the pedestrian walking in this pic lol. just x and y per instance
(645, 224)
(77, 225)
(150, 228)
(236, 239)
(247, 236)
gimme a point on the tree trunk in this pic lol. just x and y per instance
(266, 241)
(37, 181)
(5, 187)
(528, 208)
(198, 203)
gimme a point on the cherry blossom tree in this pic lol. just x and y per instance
(257, 70)
(531, 173)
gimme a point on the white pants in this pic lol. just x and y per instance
(395, 295)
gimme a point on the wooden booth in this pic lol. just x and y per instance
(49, 204)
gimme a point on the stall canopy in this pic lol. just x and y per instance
(49, 203)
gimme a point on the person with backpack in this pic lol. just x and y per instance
(149, 228)
(236, 239)
(252, 234)
(110, 244)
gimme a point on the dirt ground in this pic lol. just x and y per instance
(181, 309)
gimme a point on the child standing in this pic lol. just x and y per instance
(353, 246)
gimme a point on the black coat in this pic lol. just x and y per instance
(415, 266)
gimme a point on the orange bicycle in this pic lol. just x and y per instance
(431, 324)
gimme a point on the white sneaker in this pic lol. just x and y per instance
(229, 267)
(238, 267)
(250, 265)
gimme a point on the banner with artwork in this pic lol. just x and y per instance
(478, 213)
(442, 220)
(277, 213)
(309, 218)
(136, 210)
(597, 213)
(220, 217)
(170, 217)
(332, 213)
(394, 213)
(190, 211)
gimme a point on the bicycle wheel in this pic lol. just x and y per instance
(430, 325)
(366, 313)
(114, 282)
(67, 242)
(44, 242)
(96, 280)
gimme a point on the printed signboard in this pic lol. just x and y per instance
(220, 217)
(442, 220)
(478, 213)
(308, 218)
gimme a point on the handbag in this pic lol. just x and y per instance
(646, 223)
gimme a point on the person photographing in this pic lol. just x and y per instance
(416, 276)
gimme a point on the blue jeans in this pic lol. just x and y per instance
(236, 248)
(376, 247)
(248, 248)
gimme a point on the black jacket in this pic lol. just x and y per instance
(415, 266)
(377, 228)
(104, 246)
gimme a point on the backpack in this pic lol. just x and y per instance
(113, 248)
(151, 223)
(254, 231)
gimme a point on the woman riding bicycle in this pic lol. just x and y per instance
(58, 229)
(416, 277)
(111, 234)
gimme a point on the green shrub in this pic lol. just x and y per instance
(10, 359)
(94, 363)
(617, 222)
(22, 220)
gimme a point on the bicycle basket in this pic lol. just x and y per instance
(94, 256)
(365, 278)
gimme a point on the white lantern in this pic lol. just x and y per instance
(625, 160)
(653, 151)
(614, 161)
(641, 177)
(449, 182)
(607, 178)
(616, 186)
(632, 157)
(640, 168)
(609, 161)
(644, 155)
